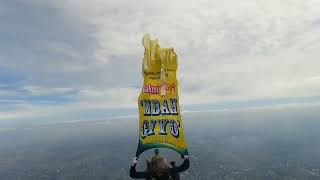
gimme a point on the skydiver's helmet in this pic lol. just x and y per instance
(160, 169)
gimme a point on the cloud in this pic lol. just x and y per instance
(89, 52)
(40, 91)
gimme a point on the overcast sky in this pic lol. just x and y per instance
(67, 58)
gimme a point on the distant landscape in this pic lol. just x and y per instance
(265, 143)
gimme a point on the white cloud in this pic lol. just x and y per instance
(109, 98)
(228, 50)
(237, 50)
(40, 91)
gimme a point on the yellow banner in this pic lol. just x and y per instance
(160, 123)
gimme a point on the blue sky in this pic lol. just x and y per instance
(76, 59)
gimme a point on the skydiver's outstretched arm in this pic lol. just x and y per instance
(137, 175)
(184, 166)
(134, 173)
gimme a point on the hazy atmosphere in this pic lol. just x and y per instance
(249, 83)
(269, 143)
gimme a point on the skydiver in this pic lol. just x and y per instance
(159, 173)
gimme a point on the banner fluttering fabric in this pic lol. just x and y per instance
(160, 123)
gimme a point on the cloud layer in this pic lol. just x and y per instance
(87, 54)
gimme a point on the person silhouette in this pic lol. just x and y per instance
(159, 170)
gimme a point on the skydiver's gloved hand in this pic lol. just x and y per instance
(134, 161)
(185, 157)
